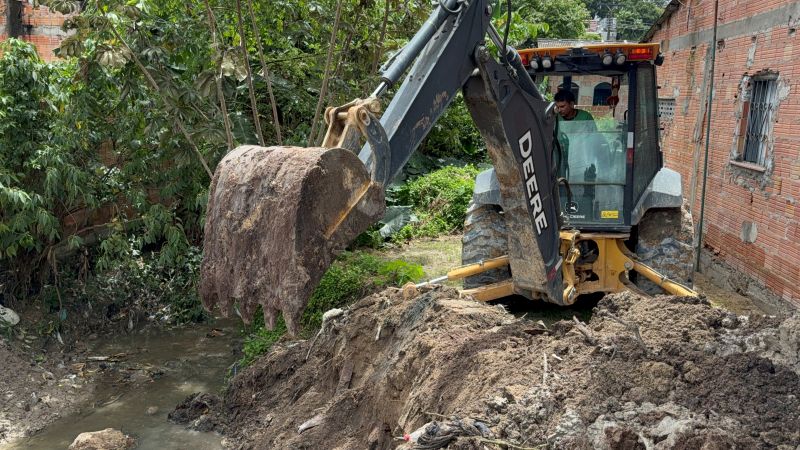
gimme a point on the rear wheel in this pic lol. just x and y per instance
(485, 237)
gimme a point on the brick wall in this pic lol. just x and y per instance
(40, 26)
(751, 215)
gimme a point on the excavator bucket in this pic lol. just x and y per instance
(276, 219)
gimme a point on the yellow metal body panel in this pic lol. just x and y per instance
(608, 272)
(491, 291)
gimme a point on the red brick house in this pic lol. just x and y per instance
(753, 177)
(39, 26)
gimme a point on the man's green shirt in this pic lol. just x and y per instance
(580, 115)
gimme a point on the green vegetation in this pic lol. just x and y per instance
(634, 17)
(564, 19)
(439, 200)
(146, 283)
(106, 155)
(351, 277)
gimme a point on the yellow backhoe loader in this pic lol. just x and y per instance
(563, 211)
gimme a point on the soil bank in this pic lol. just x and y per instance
(662, 372)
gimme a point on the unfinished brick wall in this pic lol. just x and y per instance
(751, 215)
(40, 26)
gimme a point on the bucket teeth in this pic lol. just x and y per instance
(276, 219)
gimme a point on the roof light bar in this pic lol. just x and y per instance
(640, 53)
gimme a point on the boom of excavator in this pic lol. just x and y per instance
(278, 216)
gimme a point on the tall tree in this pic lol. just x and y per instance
(634, 17)
(566, 19)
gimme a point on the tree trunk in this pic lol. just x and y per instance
(223, 106)
(381, 38)
(326, 77)
(265, 73)
(250, 88)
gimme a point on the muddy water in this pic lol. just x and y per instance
(155, 369)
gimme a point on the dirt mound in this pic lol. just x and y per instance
(34, 393)
(661, 372)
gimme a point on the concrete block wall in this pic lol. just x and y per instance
(40, 26)
(751, 215)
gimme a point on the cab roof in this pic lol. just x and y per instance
(602, 57)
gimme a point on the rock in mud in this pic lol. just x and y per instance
(660, 373)
(276, 219)
(8, 317)
(108, 439)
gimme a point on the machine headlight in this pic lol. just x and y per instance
(607, 58)
(547, 63)
(620, 58)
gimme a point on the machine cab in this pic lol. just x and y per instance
(606, 133)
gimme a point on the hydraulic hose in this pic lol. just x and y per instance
(411, 50)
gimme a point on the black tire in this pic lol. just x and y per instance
(665, 243)
(485, 237)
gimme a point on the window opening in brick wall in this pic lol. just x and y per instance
(666, 109)
(763, 92)
(601, 93)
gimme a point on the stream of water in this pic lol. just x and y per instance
(158, 370)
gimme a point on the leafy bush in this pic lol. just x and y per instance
(44, 173)
(439, 199)
(85, 159)
(351, 277)
(148, 284)
(454, 135)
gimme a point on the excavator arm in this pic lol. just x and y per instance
(278, 216)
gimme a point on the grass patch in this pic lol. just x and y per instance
(351, 277)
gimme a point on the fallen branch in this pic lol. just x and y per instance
(326, 77)
(580, 326)
(265, 72)
(630, 326)
(212, 25)
(155, 87)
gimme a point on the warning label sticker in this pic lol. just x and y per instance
(609, 214)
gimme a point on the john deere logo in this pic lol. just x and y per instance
(572, 208)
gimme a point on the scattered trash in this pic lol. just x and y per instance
(8, 317)
(311, 423)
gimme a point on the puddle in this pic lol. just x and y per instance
(156, 369)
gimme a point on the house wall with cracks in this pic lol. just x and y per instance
(39, 26)
(751, 216)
